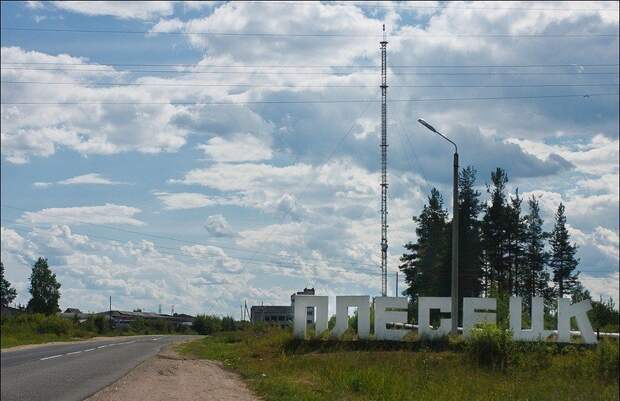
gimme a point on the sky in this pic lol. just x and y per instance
(204, 154)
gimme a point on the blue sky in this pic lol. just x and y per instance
(167, 198)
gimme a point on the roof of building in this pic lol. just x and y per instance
(272, 308)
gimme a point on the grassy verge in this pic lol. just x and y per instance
(27, 329)
(277, 367)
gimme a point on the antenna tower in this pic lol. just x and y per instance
(384, 184)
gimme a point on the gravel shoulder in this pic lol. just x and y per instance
(171, 377)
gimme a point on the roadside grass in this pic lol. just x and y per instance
(278, 367)
(27, 329)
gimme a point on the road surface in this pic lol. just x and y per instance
(74, 371)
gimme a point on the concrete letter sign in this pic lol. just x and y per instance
(383, 317)
(362, 302)
(302, 302)
(393, 310)
(470, 315)
(580, 312)
(537, 332)
(425, 304)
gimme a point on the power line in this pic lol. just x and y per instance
(405, 5)
(305, 66)
(583, 95)
(331, 74)
(310, 35)
(203, 84)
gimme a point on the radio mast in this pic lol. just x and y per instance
(384, 184)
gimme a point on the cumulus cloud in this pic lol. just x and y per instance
(239, 148)
(184, 200)
(85, 179)
(606, 286)
(105, 214)
(217, 226)
(315, 196)
(88, 128)
(119, 9)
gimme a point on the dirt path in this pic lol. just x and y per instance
(170, 377)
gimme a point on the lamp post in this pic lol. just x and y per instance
(455, 230)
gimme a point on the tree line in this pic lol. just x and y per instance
(44, 289)
(503, 247)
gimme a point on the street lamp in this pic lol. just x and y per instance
(455, 229)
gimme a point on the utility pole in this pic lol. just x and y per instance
(396, 294)
(110, 312)
(455, 243)
(384, 184)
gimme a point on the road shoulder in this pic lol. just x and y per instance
(170, 376)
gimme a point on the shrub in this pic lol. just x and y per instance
(100, 323)
(491, 347)
(228, 324)
(206, 324)
(54, 325)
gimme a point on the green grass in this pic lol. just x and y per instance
(277, 367)
(27, 329)
(33, 338)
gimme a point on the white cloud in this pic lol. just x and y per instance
(599, 156)
(86, 128)
(184, 200)
(215, 256)
(606, 286)
(144, 10)
(239, 148)
(105, 214)
(333, 208)
(34, 4)
(85, 179)
(217, 226)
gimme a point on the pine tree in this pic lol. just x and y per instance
(470, 247)
(536, 277)
(44, 289)
(563, 261)
(427, 263)
(515, 244)
(7, 293)
(494, 235)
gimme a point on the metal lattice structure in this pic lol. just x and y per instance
(384, 184)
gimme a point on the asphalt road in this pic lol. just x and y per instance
(74, 371)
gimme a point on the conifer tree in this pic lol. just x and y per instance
(427, 263)
(44, 289)
(494, 234)
(7, 293)
(515, 238)
(470, 247)
(563, 261)
(536, 277)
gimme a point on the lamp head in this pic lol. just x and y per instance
(427, 125)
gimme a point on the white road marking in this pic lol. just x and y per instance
(102, 346)
(155, 339)
(50, 357)
(74, 353)
(90, 349)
